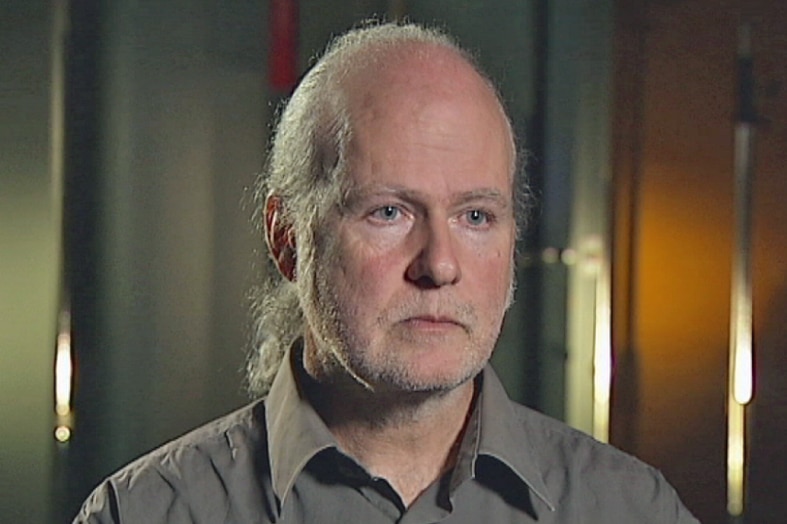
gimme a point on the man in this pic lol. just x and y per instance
(390, 213)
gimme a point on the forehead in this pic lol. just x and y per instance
(425, 116)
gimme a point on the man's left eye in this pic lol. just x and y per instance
(476, 217)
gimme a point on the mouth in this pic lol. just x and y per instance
(433, 323)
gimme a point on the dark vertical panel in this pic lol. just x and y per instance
(531, 267)
(81, 212)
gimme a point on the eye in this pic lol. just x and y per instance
(476, 217)
(386, 213)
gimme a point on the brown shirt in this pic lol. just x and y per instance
(275, 461)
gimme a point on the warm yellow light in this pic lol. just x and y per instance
(601, 385)
(602, 348)
(741, 392)
(63, 374)
(741, 359)
(742, 373)
(602, 357)
(62, 433)
(736, 450)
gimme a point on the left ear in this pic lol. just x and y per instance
(280, 238)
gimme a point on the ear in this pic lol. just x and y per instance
(280, 238)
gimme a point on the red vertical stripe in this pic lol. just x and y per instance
(283, 59)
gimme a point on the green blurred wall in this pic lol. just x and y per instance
(29, 252)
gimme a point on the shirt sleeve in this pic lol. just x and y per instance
(100, 507)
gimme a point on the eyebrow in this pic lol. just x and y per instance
(484, 194)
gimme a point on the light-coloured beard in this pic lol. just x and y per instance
(386, 369)
(341, 350)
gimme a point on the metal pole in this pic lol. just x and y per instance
(741, 386)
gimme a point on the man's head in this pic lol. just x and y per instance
(389, 209)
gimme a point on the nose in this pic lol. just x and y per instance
(435, 264)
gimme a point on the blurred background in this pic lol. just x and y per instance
(131, 132)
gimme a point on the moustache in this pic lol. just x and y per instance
(446, 310)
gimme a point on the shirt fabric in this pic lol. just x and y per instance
(276, 461)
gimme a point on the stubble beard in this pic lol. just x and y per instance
(343, 348)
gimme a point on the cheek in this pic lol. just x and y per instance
(492, 263)
(366, 269)
(492, 275)
(496, 272)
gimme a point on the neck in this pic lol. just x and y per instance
(409, 438)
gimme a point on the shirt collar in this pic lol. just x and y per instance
(502, 435)
(295, 431)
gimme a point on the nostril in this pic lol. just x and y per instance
(428, 274)
(425, 282)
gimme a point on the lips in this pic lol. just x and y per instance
(436, 320)
(431, 322)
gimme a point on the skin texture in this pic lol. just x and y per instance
(414, 270)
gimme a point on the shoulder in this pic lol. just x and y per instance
(583, 474)
(558, 445)
(217, 470)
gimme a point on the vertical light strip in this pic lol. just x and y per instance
(602, 352)
(64, 379)
(63, 367)
(63, 362)
(741, 379)
(741, 351)
(736, 453)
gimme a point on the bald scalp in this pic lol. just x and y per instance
(390, 82)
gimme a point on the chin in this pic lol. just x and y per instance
(425, 376)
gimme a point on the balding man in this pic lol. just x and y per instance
(390, 213)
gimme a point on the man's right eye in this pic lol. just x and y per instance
(386, 213)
